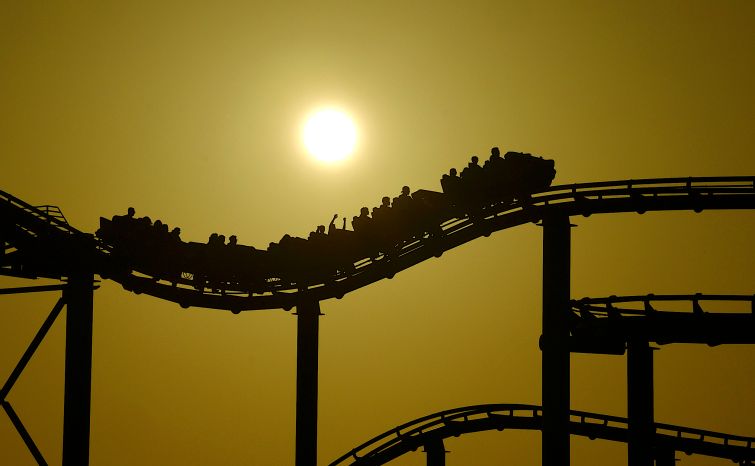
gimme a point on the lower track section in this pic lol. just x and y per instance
(428, 432)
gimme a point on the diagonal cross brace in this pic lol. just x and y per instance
(25, 358)
(24, 433)
(31, 349)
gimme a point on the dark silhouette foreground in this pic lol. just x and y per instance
(154, 249)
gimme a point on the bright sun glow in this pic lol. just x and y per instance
(330, 135)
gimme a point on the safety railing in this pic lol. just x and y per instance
(45, 214)
(53, 211)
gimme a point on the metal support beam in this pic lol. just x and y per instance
(79, 296)
(555, 340)
(665, 457)
(24, 434)
(307, 333)
(32, 289)
(436, 452)
(640, 418)
(26, 357)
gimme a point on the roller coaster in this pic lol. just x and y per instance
(37, 239)
(38, 242)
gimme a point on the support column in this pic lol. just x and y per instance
(436, 452)
(640, 403)
(79, 297)
(307, 331)
(555, 340)
(665, 457)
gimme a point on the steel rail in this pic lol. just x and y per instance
(703, 193)
(37, 244)
(605, 306)
(414, 434)
(640, 195)
(605, 325)
(38, 213)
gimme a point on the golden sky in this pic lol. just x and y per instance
(190, 111)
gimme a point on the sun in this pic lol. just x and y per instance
(330, 135)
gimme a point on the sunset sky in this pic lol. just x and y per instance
(191, 112)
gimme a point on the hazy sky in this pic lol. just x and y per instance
(190, 112)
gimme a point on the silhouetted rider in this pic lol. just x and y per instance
(332, 226)
(358, 223)
(450, 183)
(473, 169)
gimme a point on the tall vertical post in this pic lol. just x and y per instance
(555, 339)
(436, 452)
(640, 403)
(665, 457)
(79, 297)
(307, 332)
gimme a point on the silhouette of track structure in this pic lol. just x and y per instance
(428, 432)
(605, 325)
(39, 243)
(39, 230)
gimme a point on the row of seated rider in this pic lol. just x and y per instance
(318, 236)
(215, 241)
(383, 214)
(320, 233)
(474, 179)
(386, 213)
(319, 241)
(143, 230)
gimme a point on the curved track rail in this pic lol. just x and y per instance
(452, 423)
(35, 220)
(696, 194)
(639, 196)
(604, 325)
(38, 242)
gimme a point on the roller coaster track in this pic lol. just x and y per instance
(38, 242)
(644, 195)
(604, 325)
(36, 221)
(428, 430)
